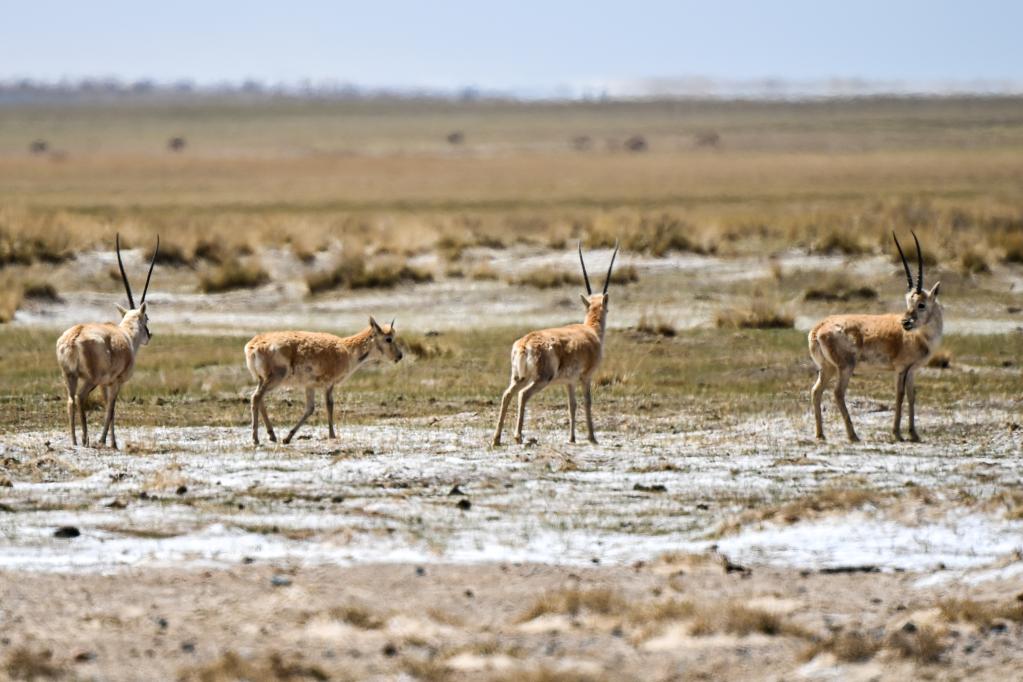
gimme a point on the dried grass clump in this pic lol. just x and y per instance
(738, 619)
(838, 288)
(1012, 243)
(972, 262)
(358, 616)
(26, 664)
(483, 273)
(848, 646)
(982, 614)
(624, 274)
(231, 667)
(832, 240)
(922, 644)
(573, 601)
(233, 274)
(655, 325)
(10, 301)
(546, 278)
(659, 612)
(657, 235)
(760, 314)
(353, 273)
(41, 291)
(423, 349)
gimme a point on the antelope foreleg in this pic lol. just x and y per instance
(310, 405)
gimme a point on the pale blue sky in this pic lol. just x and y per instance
(518, 44)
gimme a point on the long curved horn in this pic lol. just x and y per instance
(909, 275)
(124, 277)
(920, 262)
(607, 280)
(392, 323)
(586, 278)
(151, 265)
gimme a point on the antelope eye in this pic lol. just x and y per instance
(921, 306)
(388, 339)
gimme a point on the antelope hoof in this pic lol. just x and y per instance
(853, 438)
(897, 435)
(518, 439)
(495, 443)
(820, 437)
(914, 437)
(273, 437)
(287, 439)
(592, 439)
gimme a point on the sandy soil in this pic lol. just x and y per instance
(386, 621)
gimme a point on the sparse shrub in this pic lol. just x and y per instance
(423, 349)
(972, 262)
(838, 288)
(41, 291)
(625, 274)
(573, 600)
(25, 664)
(982, 614)
(838, 240)
(1013, 244)
(357, 616)
(657, 235)
(233, 274)
(738, 619)
(848, 646)
(636, 143)
(170, 253)
(210, 250)
(655, 325)
(759, 315)
(351, 273)
(546, 278)
(920, 643)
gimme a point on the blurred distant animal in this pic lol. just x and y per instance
(177, 144)
(561, 355)
(708, 138)
(582, 143)
(636, 143)
(92, 355)
(311, 360)
(902, 342)
(38, 146)
(456, 137)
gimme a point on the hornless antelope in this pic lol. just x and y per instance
(562, 355)
(92, 355)
(903, 342)
(311, 360)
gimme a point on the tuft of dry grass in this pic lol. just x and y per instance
(973, 262)
(625, 274)
(352, 272)
(982, 614)
(233, 274)
(661, 611)
(922, 644)
(655, 325)
(25, 664)
(760, 314)
(850, 646)
(357, 616)
(844, 241)
(483, 273)
(10, 301)
(545, 278)
(572, 601)
(1012, 245)
(423, 349)
(828, 499)
(738, 619)
(231, 667)
(839, 288)
(548, 674)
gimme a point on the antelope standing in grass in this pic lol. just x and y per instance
(92, 355)
(311, 360)
(561, 355)
(903, 342)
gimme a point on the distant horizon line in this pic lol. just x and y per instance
(624, 89)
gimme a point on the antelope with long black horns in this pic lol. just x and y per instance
(103, 354)
(567, 355)
(902, 342)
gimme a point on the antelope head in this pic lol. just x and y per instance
(133, 316)
(385, 341)
(921, 304)
(596, 304)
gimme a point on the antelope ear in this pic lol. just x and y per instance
(374, 325)
(123, 311)
(933, 293)
(585, 300)
(142, 308)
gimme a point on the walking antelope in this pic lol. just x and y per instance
(92, 355)
(311, 360)
(562, 355)
(903, 342)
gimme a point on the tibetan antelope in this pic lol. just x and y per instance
(562, 355)
(311, 360)
(92, 355)
(903, 342)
